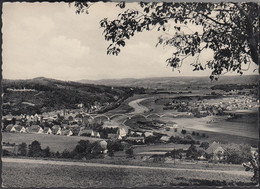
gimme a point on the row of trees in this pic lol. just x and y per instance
(33, 150)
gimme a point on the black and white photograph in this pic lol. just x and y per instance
(107, 94)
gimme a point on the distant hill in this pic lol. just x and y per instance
(43, 94)
(175, 81)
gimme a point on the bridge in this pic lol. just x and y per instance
(127, 115)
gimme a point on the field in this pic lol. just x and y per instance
(57, 175)
(56, 143)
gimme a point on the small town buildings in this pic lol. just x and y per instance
(164, 138)
(47, 130)
(121, 132)
(56, 130)
(20, 129)
(75, 129)
(66, 132)
(65, 126)
(85, 132)
(136, 139)
(95, 134)
(10, 128)
(36, 129)
(139, 133)
(147, 134)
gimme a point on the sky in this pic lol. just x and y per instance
(51, 40)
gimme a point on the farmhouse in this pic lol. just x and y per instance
(216, 150)
(164, 138)
(121, 132)
(147, 134)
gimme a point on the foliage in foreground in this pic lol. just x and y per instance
(253, 165)
(230, 30)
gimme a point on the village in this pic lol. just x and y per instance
(207, 107)
(181, 144)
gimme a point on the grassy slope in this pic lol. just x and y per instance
(54, 94)
(56, 143)
(34, 175)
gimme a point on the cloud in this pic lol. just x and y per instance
(49, 39)
(70, 48)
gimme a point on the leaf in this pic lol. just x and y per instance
(146, 10)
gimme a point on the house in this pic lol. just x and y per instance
(20, 129)
(56, 130)
(139, 133)
(121, 132)
(47, 130)
(147, 134)
(36, 129)
(66, 132)
(85, 132)
(10, 128)
(65, 126)
(136, 139)
(165, 139)
(75, 129)
(216, 150)
(95, 134)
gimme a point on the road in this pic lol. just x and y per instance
(120, 120)
(51, 162)
(138, 108)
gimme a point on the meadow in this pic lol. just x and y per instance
(46, 175)
(55, 142)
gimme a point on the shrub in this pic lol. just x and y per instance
(188, 137)
(57, 154)
(22, 149)
(204, 145)
(35, 149)
(175, 130)
(46, 152)
(193, 133)
(110, 153)
(203, 135)
(6, 152)
(183, 131)
(66, 154)
(115, 146)
(192, 152)
(129, 152)
(253, 165)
